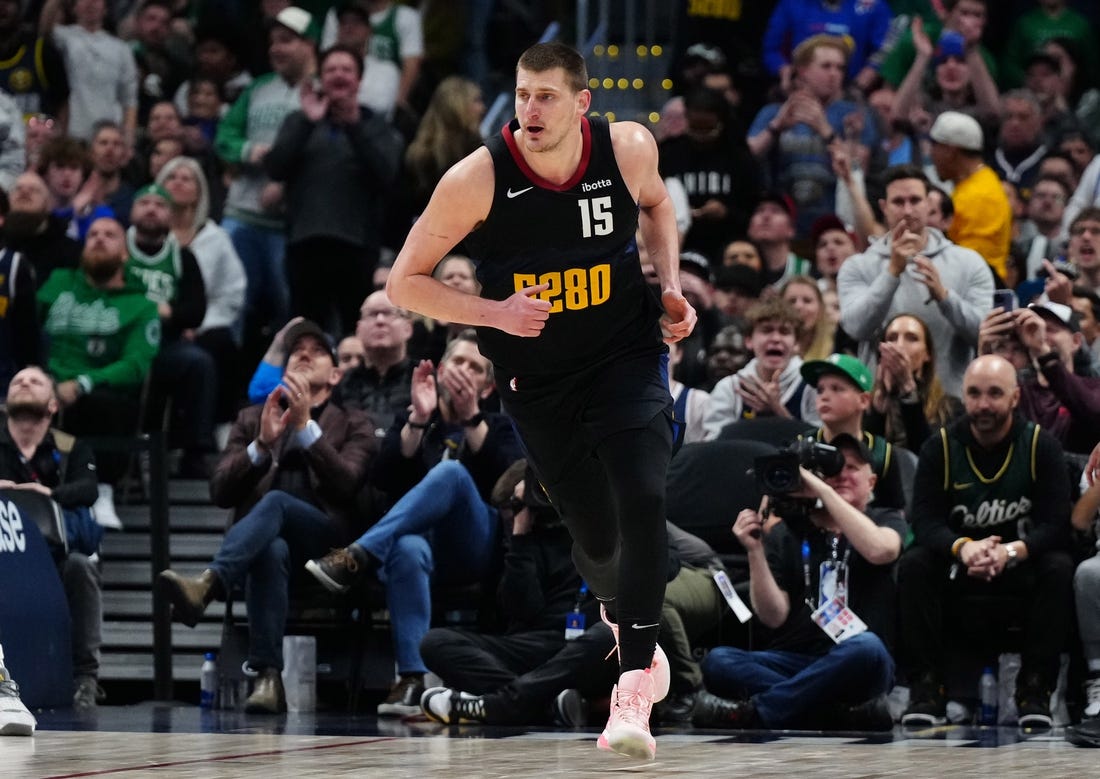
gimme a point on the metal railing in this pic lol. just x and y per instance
(159, 547)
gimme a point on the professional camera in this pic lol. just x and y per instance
(777, 476)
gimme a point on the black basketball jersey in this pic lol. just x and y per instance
(578, 238)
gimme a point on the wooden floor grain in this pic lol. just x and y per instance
(181, 743)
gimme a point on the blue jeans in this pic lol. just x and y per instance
(275, 538)
(262, 252)
(442, 527)
(786, 686)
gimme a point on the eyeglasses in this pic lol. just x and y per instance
(388, 314)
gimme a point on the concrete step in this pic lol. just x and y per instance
(136, 545)
(138, 605)
(138, 574)
(200, 518)
(204, 637)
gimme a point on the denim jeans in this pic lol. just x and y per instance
(262, 252)
(787, 686)
(275, 538)
(440, 529)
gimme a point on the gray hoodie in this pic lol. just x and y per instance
(870, 297)
(726, 405)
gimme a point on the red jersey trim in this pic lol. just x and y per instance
(586, 153)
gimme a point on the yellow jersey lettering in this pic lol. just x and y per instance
(574, 289)
(552, 291)
(599, 284)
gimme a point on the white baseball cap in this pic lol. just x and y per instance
(952, 128)
(295, 19)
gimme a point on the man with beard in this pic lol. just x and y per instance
(980, 531)
(914, 269)
(290, 472)
(442, 460)
(36, 458)
(34, 232)
(105, 184)
(103, 333)
(182, 369)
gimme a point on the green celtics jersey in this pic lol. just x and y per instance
(98, 336)
(984, 504)
(159, 272)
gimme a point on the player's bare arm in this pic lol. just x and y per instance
(636, 155)
(459, 204)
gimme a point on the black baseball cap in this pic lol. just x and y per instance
(781, 199)
(697, 265)
(850, 443)
(309, 327)
(740, 277)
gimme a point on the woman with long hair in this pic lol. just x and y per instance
(818, 334)
(222, 274)
(449, 130)
(908, 402)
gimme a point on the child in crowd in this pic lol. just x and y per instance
(843, 387)
(770, 385)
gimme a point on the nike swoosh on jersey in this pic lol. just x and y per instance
(518, 192)
(636, 626)
(966, 486)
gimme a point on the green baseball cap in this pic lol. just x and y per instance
(841, 364)
(154, 189)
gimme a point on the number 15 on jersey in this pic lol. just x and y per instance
(596, 216)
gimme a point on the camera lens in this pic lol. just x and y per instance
(781, 478)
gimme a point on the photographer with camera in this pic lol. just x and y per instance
(822, 582)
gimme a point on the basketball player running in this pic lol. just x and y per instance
(549, 209)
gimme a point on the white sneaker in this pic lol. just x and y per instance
(15, 718)
(627, 730)
(452, 707)
(104, 508)
(659, 667)
(1092, 696)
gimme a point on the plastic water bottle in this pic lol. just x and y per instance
(208, 682)
(987, 697)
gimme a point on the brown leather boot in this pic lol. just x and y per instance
(268, 696)
(189, 597)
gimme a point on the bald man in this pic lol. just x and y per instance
(990, 513)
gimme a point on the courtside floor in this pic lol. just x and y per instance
(177, 741)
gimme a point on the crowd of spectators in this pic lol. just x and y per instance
(890, 227)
